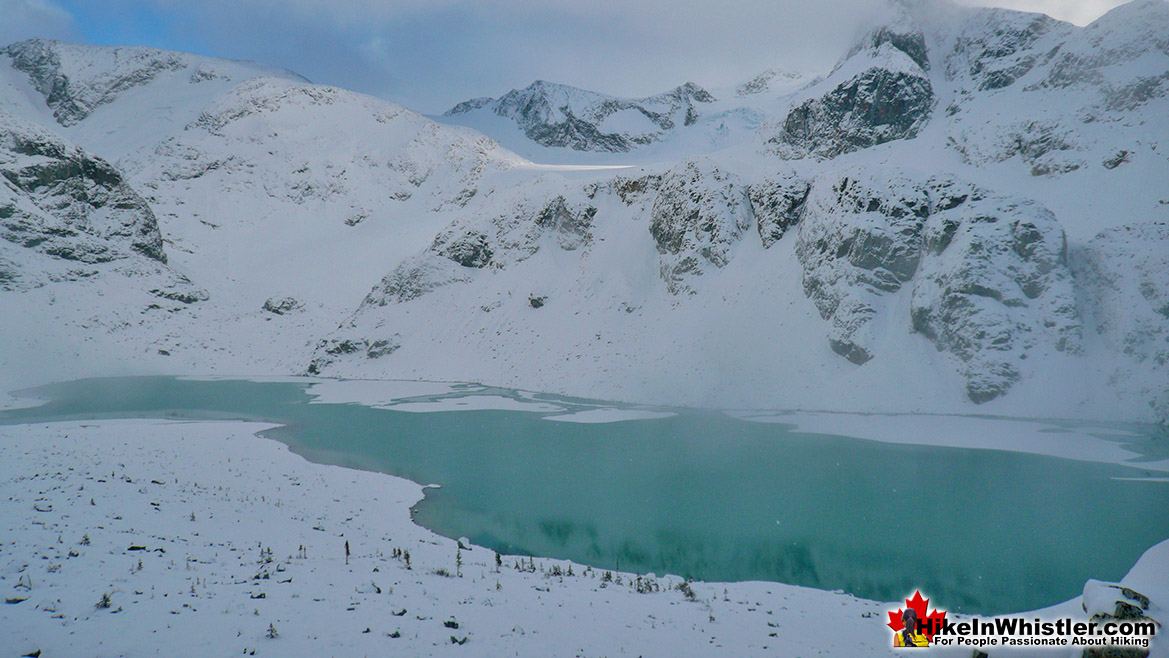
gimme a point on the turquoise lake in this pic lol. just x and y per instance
(708, 496)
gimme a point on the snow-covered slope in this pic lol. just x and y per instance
(302, 190)
(282, 200)
(904, 234)
(65, 202)
(81, 255)
(965, 215)
(117, 99)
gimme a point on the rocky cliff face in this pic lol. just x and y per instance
(987, 276)
(1124, 277)
(701, 212)
(72, 99)
(994, 47)
(65, 202)
(81, 254)
(983, 277)
(879, 93)
(1086, 88)
(993, 287)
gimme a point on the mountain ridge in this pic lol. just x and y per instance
(946, 222)
(558, 115)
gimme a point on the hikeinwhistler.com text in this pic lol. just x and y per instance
(1019, 632)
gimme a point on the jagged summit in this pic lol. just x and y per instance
(559, 115)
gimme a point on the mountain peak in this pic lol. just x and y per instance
(559, 115)
(693, 91)
(77, 79)
(902, 32)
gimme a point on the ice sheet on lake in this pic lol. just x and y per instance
(380, 393)
(610, 415)
(261, 379)
(11, 401)
(1081, 443)
(422, 396)
(477, 403)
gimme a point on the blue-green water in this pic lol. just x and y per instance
(708, 496)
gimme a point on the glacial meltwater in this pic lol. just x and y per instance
(706, 495)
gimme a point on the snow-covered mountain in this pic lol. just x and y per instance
(558, 115)
(263, 192)
(966, 214)
(910, 231)
(553, 122)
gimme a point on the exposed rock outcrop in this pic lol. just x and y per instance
(1124, 274)
(415, 277)
(881, 92)
(996, 47)
(282, 305)
(860, 239)
(994, 286)
(700, 214)
(73, 99)
(65, 202)
(987, 275)
(328, 350)
(778, 204)
(1109, 602)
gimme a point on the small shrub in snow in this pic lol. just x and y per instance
(645, 585)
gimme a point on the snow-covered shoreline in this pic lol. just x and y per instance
(175, 521)
(196, 593)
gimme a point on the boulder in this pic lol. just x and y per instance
(282, 305)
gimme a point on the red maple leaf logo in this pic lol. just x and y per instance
(919, 606)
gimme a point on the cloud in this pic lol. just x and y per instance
(1080, 12)
(25, 19)
(430, 54)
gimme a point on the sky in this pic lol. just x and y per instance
(431, 54)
